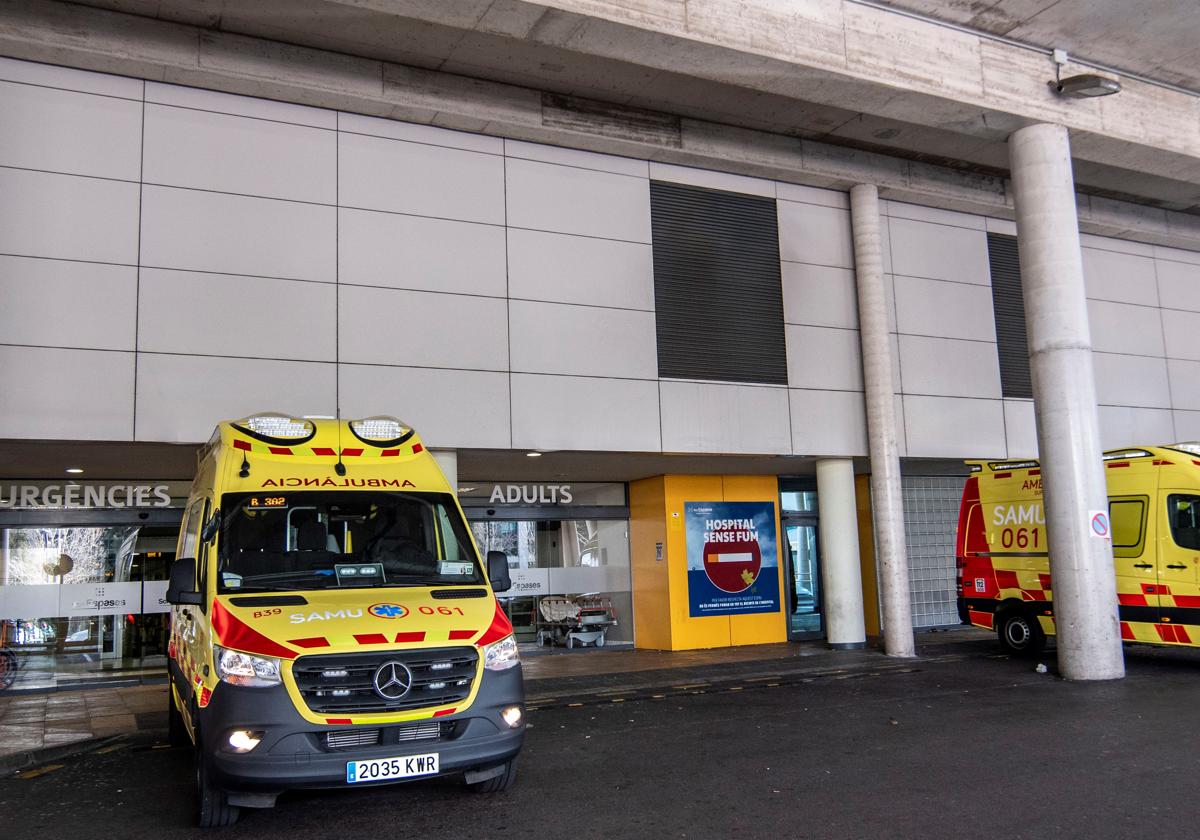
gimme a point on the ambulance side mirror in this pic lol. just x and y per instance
(181, 587)
(497, 563)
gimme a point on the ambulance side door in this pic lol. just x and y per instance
(193, 630)
(1179, 561)
(1134, 557)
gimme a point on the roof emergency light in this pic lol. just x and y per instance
(1191, 447)
(381, 431)
(277, 428)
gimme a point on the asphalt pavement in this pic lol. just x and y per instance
(963, 742)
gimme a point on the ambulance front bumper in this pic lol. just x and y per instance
(294, 753)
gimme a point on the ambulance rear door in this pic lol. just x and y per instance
(1179, 564)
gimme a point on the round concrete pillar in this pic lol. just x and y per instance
(841, 571)
(1060, 359)
(886, 500)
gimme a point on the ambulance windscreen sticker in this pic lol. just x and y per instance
(732, 559)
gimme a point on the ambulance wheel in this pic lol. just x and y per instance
(497, 784)
(212, 803)
(176, 731)
(1020, 633)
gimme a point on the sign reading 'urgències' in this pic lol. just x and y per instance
(83, 496)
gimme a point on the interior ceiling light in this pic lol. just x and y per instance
(1082, 86)
(74, 470)
(533, 454)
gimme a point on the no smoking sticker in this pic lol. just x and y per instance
(1101, 529)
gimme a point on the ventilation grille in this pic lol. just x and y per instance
(717, 291)
(1008, 303)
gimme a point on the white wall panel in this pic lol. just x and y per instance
(1124, 328)
(1181, 331)
(1178, 284)
(949, 367)
(181, 398)
(575, 412)
(49, 75)
(55, 303)
(1131, 380)
(415, 133)
(709, 417)
(69, 132)
(920, 213)
(231, 234)
(245, 106)
(202, 150)
(830, 423)
(66, 394)
(1185, 384)
(947, 427)
(422, 329)
(579, 269)
(1119, 246)
(451, 408)
(68, 217)
(1123, 426)
(939, 252)
(222, 315)
(544, 196)
(1020, 428)
(1125, 278)
(1187, 425)
(411, 252)
(710, 180)
(417, 178)
(816, 235)
(821, 358)
(576, 157)
(939, 308)
(819, 296)
(582, 340)
(812, 195)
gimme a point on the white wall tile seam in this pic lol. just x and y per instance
(584, 168)
(939, 224)
(990, 341)
(783, 261)
(727, 383)
(499, 225)
(62, 174)
(70, 90)
(66, 260)
(258, 196)
(66, 347)
(1158, 356)
(154, 267)
(1131, 303)
(570, 303)
(1162, 325)
(297, 359)
(986, 285)
(998, 400)
(580, 235)
(158, 104)
(508, 339)
(808, 203)
(137, 298)
(417, 142)
(612, 377)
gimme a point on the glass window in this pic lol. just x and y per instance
(1183, 512)
(313, 540)
(1128, 517)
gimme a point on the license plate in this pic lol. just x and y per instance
(382, 769)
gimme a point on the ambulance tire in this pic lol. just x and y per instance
(176, 730)
(497, 784)
(212, 803)
(1020, 633)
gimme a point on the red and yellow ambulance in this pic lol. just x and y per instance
(1154, 509)
(331, 622)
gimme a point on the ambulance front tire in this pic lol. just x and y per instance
(498, 783)
(212, 803)
(1020, 633)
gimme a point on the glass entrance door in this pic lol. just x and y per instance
(803, 578)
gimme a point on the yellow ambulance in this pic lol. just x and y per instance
(331, 622)
(1154, 522)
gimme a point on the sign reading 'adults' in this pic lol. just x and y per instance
(80, 497)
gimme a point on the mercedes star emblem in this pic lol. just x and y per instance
(392, 680)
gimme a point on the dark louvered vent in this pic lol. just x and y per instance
(1009, 306)
(717, 293)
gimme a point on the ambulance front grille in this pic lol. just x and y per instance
(340, 684)
(351, 738)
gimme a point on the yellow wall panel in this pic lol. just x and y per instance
(866, 553)
(651, 582)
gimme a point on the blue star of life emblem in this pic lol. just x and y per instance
(387, 610)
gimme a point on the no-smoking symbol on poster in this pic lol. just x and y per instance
(1101, 527)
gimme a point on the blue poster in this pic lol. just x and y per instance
(732, 558)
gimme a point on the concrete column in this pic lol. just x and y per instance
(447, 459)
(841, 573)
(1060, 359)
(886, 502)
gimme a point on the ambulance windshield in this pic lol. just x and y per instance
(313, 540)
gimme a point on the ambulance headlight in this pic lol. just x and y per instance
(277, 427)
(501, 655)
(381, 431)
(238, 668)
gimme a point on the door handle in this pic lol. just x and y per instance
(1143, 566)
(1176, 566)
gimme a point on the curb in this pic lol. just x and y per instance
(16, 762)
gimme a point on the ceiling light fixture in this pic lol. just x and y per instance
(533, 454)
(1082, 86)
(74, 470)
